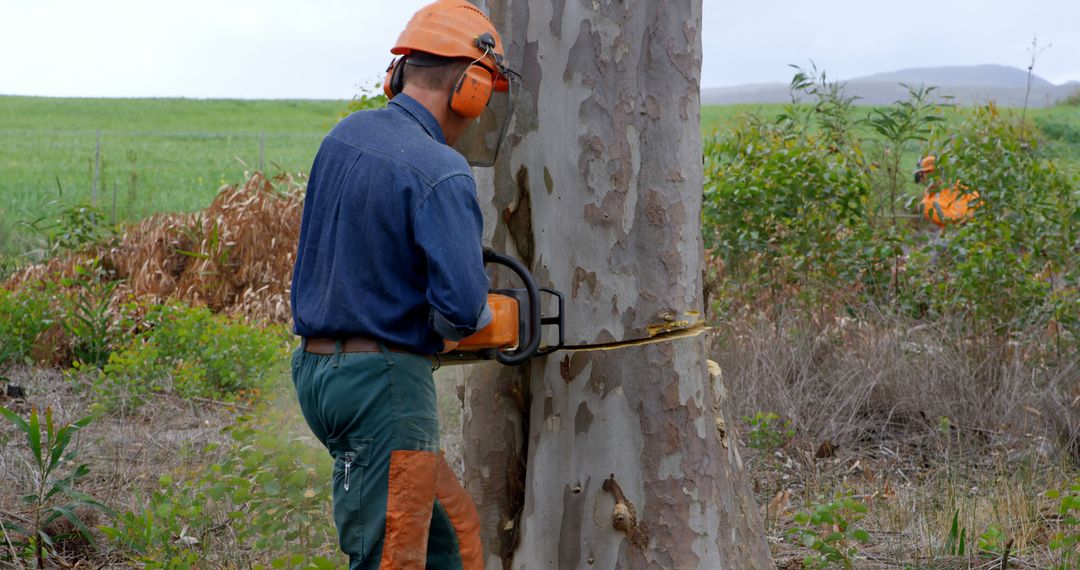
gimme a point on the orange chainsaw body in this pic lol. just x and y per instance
(501, 333)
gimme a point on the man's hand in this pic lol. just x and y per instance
(448, 345)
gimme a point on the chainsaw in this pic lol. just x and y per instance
(516, 327)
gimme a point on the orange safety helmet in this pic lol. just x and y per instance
(454, 29)
(926, 166)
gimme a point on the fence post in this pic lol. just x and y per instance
(97, 161)
(262, 148)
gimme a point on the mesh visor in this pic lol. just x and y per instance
(480, 142)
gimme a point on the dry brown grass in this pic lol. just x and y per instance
(926, 420)
(235, 257)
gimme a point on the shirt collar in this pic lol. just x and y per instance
(421, 114)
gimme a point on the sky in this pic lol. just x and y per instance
(330, 49)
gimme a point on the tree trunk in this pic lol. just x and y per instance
(599, 192)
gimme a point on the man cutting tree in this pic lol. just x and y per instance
(389, 271)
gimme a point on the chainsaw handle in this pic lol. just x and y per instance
(526, 347)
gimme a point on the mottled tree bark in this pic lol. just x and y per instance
(599, 192)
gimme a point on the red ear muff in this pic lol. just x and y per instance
(472, 92)
(395, 78)
(386, 82)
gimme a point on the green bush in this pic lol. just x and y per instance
(781, 204)
(75, 227)
(1012, 266)
(24, 315)
(190, 352)
(1058, 130)
(795, 212)
(832, 531)
(767, 432)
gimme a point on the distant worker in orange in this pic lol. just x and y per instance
(950, 205)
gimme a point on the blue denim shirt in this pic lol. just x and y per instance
(390, 242)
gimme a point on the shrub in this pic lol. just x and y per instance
(767, 432)
(1010, 267)
(1059, 130)
(794, 213)
(75, 227)
(86, 313)
(24, 316)
(832, 531)
(190, 352)
(780, 205)
(365, 101)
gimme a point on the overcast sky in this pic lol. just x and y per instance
(327, 49)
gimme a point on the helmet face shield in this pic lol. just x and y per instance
(480, 142)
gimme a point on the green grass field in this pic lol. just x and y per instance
(156, 154)
(174, 154)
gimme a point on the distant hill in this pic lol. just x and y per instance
(966, 76)
(967, 85)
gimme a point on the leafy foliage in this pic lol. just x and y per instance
(24, 315)
(87, 316)
(1012, 266)
(74, 227)
(831, 530)
(365, 101)
(795, 212)
(781, 204)
(767, 432)
(191, 352)
(1066, 542)
(992, 541)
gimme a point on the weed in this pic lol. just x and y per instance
(75, 227)
(956, 542)
(53, 496)
(767, 432)
(1073, 100)
(1066, 542)
(88, 318)
(992, 541)
(365, 101)
(832, 531)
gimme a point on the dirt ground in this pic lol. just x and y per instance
(912, 485)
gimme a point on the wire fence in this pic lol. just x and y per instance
(131, 174)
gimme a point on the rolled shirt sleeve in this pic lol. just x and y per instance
(448, 228)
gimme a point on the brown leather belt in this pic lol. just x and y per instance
(354, 344)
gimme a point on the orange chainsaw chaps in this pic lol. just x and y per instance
(955, 203)
(502, 333)
(463, 515)
(410, 498)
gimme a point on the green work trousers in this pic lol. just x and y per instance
(396, 502)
